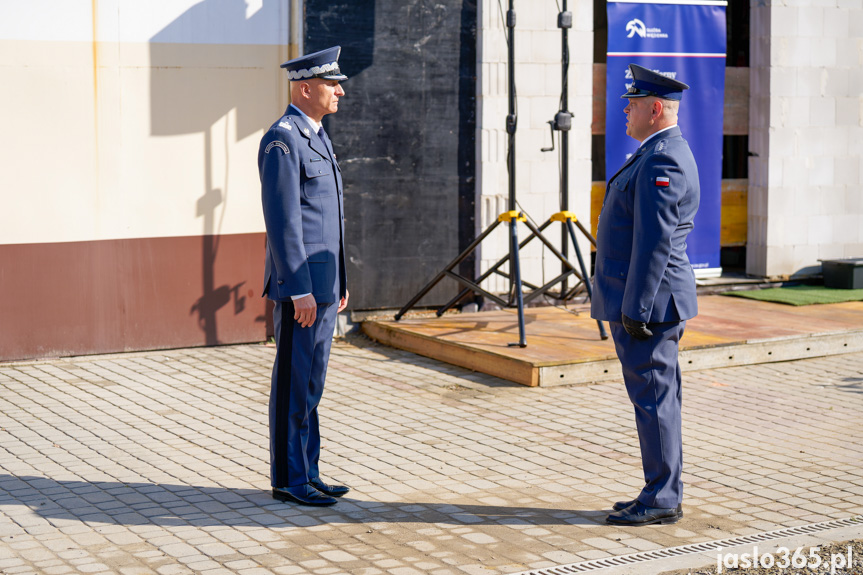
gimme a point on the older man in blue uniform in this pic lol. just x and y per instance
(301, 192)
(645, 288)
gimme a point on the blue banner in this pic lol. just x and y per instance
(683, 40)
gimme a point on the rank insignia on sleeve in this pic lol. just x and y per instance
(277, 144)
(660, 181)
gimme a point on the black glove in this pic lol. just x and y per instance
(637, 329)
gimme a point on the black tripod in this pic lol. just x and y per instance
(512, 216)
(562, 123)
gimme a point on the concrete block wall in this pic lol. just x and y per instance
(538, 88)
(806, 129)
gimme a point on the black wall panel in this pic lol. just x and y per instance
(405, 138)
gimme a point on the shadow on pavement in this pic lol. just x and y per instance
(65, 503)
(854, 385)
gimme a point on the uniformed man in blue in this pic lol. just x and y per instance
(301, 192)
(645, 288)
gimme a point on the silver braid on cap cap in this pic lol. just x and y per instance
(314, 71)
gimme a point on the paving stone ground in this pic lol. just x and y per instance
(157, 462)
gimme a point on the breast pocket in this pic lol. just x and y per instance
(319, 179)
(619, 183)
(618, 200)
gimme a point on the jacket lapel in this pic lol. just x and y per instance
(631, 159)
(305, 130)
(672, 133)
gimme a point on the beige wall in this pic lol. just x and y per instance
(141, 120)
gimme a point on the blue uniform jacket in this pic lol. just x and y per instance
(641, 265)
(301, 193)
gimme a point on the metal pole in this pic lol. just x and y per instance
(519, 298)
(511, 119)
(564, 134)
(511, 123)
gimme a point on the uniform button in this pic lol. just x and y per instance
(281, 282)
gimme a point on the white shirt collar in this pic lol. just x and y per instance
(644, 141)
(315, 125)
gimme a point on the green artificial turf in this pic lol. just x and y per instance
(801, 295)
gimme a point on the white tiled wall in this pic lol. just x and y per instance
(806, 127)
(538, 87)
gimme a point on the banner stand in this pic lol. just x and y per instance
(682, 39)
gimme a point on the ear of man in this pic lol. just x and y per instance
(300, 88)
(657, 108)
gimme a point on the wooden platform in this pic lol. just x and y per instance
(563, 346)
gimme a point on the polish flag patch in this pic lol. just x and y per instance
(660, 181)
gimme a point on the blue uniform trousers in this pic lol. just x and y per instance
(297, 385)
(651, 372)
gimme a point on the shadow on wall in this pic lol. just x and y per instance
(205, 79)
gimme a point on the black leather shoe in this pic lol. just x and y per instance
(621, 505)
(331, 490)
(641, 514)
(304, 495)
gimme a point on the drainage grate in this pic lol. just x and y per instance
(620, 560)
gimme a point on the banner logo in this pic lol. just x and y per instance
(636, 26)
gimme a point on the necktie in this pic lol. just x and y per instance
(323, 136)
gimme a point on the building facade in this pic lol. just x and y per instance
(131, 212)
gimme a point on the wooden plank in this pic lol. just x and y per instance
(734, 212)
(564, 345)
(597, 125)
(439, 348)
(597, 196)
(693, 358)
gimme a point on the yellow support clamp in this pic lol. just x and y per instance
(563, 216)
(508, 216)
